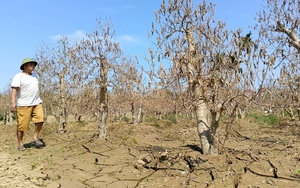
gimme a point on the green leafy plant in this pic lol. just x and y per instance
(170, 117)
(269, 119)
(125, 119)
(150, 119)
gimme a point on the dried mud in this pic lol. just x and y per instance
(158, 155)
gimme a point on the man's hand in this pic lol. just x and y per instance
(13, 107)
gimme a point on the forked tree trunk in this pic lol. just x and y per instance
(242, 112)
(206, 129)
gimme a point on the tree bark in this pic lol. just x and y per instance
(103, 110)
(62, 107)
(102, 120)
(140, 113)
(206, 129)
(8, 119)
(133, 112)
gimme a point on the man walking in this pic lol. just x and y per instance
(26, 102)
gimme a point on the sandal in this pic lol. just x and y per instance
(37, 143)
(21, 148)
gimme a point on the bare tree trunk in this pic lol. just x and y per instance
(45, 113)
(133, 112)
(75, 116)
(62, 120)
(192, 115)
(103, 110)
(242, 112)
(63, 110)
(114, 116)
(140, 113)
(176, 113)
(120, 114)
(208, 139)
(5, 119)
(102, 120)
(8, 119)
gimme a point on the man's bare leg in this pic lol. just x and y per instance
(20, 135)
(38, 127)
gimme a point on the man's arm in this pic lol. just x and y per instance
(13, 105)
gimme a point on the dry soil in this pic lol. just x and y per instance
(153, 155)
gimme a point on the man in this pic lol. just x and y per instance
(26, 102)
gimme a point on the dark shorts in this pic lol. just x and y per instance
(24, 113)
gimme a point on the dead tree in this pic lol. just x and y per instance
(279, 27)
(99, 52)
(190, 38)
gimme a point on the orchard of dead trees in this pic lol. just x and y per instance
(198, 69)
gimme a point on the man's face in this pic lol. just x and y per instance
(29, 66)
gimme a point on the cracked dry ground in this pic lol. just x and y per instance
(158, 155)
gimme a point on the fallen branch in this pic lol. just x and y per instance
(270, 176)
(88, 150)
(274, 169)
(142, 179)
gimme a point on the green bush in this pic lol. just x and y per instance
(170, 117)
(269, 119)
(125, 119)
(1, 117)
(150, 119)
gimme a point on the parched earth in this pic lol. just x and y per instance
(153, 155)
